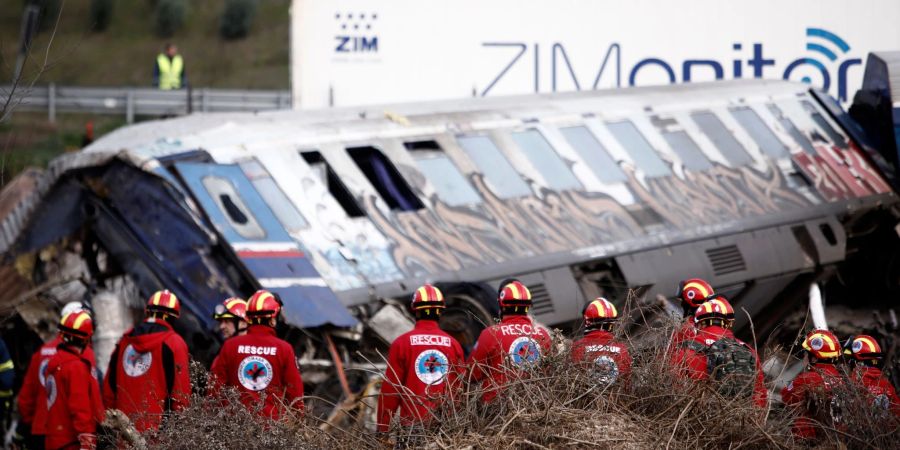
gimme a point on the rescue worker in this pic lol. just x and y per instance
(609, 359)
(169, 72)
(423, 364)
(866, 360)
(259, 362)
(74, 406)
(232, 317)
(514, 343)
(148, 374)
(811, 392)
(692, 292)
(33, 397)
(715, 354)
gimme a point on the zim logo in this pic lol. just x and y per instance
(524, 351)
(355, 32)
(136, 363)
(255, 373)
(431, 367)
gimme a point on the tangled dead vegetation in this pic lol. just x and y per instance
(555, 405)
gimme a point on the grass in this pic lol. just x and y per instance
(124, 54)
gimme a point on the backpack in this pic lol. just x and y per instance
(731, 364)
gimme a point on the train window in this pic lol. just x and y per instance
(721, 137)
(385, 178)
(233, 207)
(268, 189)
(496, 169)
(636, 145)
(836, 138)
(795, 133)
(760, 132)
(594, 154)
(545, 159)
(686, 149)
(448, 181)
(336, 187)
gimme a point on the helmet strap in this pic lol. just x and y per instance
(428, 313)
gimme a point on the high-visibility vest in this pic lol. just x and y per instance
(169, 71)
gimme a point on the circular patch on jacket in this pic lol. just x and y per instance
(524, 350)
(50, 386)
(432, 366)
(136, 363)
(255, 373)
(42, 371)
(606, 371)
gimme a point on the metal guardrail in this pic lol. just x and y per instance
(143, 101)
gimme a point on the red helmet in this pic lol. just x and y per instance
(427, 297)
(821, 344)
(263, 304)
(694, 291)
(515, 294)
(233, 308)
(863, 347)
(600, 310)
(77, 324)
(164, 302)
(717, 308)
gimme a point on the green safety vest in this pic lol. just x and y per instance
(169, 71)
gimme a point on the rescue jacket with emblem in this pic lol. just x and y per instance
(514, 342)
(32, 397)
(260, 362)
(608, 358)
(880, 388)
(73, 399)
(811, 393)
(423, 367)
(148, 374)
(691, 360)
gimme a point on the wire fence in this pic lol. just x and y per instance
(132, 101)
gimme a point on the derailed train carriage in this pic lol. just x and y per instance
(754, 185)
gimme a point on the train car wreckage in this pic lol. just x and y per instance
(756, 185)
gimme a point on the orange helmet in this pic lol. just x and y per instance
(514, 294)
(694, 291)
(427, 297)
(821, 344)
(717, 308)
(233, 308)
(164, 302)
(77, 325)
(863, 347)
(263, 304)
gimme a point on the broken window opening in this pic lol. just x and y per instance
(335, 186)
(450, 184)
(385, 178)
(233, 207)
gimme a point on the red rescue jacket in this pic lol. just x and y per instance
(515, 341)
(260, 362)
(423, 365)
(73, 399)
(687, 331)
(883, 393)
(693, 365)
(32, 399)
(148, 374)
(607, 356)
(819, 381)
